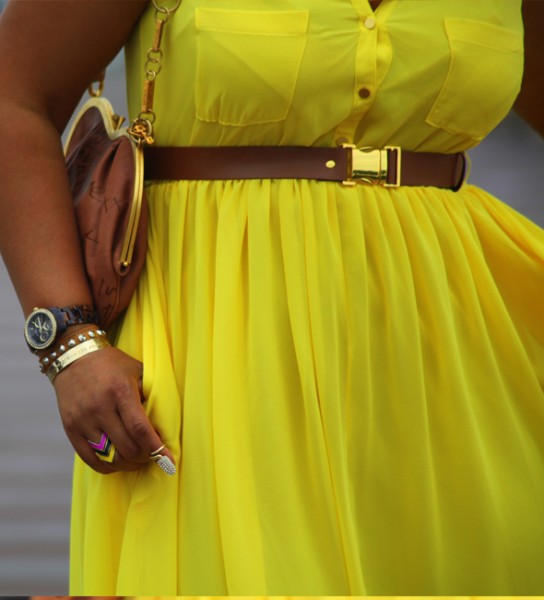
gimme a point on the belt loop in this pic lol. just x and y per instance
(394, 166)
(349, 181)
(465, 168)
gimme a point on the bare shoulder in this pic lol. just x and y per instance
(51, 49)
(530, 102)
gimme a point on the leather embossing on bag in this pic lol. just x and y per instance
(105, 170)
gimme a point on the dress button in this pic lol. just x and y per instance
(370, 22)
(364, 93)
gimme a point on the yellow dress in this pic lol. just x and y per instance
(351, 379)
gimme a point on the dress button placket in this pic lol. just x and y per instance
(365, 78)
(366, 73)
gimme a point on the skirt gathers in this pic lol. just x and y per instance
(352, 381)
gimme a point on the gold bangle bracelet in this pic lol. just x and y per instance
(68, 342)
(74, 354)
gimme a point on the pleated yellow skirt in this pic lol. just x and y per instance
(352, 381)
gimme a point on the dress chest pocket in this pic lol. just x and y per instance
(483, 80)
(247, 64)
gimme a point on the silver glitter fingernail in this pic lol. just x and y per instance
(166, 465)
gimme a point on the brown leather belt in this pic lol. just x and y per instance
(389, 167)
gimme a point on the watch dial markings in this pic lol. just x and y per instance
(42, 329)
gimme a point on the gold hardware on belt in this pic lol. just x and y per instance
(371, 166)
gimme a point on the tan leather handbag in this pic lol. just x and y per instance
(106, 173)
(105, 170)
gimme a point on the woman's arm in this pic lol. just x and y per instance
(530, 102)
(49, 52)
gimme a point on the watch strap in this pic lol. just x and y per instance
(79, 314)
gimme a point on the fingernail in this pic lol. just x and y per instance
(166, 465)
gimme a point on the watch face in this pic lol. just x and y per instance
(40, 329)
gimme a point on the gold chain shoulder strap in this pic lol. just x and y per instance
(141, 128)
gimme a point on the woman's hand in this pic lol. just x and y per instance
(102, 393)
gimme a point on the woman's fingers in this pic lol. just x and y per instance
(100, 402)
(87, 454)
(142, 433)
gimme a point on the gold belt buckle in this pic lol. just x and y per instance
(371, 166)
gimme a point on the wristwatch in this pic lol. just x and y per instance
(45, 325)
